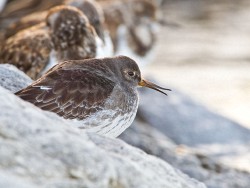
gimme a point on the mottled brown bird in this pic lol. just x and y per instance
(131, 24)
(97, 94)
(89, 7)
(66, 34)
(15, 9)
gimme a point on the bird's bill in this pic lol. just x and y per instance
(144, 83)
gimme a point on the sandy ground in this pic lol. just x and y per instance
(207, 56)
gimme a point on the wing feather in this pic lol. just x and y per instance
(29, 50)
(67, 95)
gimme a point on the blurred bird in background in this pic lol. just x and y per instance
(132, 27)
(90, 9)
(124, 27)
(65, 34)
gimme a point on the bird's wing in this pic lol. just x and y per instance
(25, 22)
(28, 50)
(71, 93)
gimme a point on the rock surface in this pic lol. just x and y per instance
(39, 149)
(13, 79)
(191, 162)
(186, 122)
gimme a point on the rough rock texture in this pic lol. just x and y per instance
(39, 149)
(193, 163)
(186, 122)
(13, 79)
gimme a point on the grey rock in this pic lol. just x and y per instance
(10, 181)
(40, 149)
(189, 161)
(13, 79)
(187, 122)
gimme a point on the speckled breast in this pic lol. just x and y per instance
(117, 115)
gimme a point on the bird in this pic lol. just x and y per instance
(95, 14)
(91, 10)
(97, 94)
(15, 9)
(65, 35)
(88, 7)
(132, 25)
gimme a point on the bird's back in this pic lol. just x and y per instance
(29, 50)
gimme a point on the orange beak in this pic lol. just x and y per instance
(151, 85)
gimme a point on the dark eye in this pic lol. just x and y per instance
(132, 74)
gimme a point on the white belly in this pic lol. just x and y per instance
(114, 128)
(111, 121)
(104, 123)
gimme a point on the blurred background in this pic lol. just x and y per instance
(205, 53)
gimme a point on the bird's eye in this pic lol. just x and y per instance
(132, 74)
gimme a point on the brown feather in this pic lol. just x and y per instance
(71, 96)
(67, 32)
(29, 50)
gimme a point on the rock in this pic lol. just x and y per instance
(40, 149)
(8, 180)
(186, 122)
(189, 161)
(13, 79)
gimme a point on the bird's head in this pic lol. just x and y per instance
(67, 22)
(94, 13)
(131, 73)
